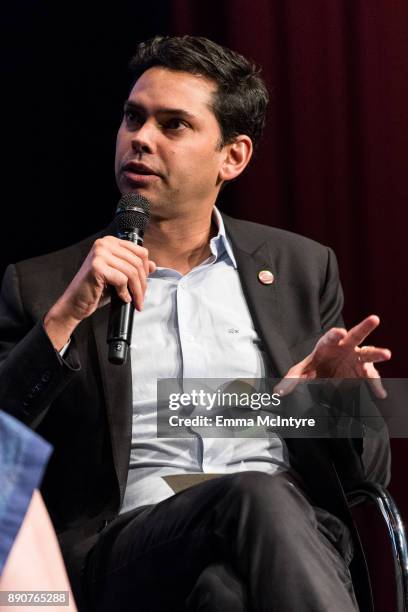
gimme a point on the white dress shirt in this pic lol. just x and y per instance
(193, 326)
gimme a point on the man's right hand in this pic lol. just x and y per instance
(110, 262)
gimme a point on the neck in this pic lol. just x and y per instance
(180, 244)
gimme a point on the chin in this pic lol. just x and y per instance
(139, 189)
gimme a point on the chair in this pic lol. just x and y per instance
(375, 511)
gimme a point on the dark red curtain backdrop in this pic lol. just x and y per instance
(334, 162)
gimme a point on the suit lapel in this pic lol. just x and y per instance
(117, 386)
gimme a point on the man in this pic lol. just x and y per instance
(268, 533)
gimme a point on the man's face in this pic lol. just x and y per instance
(167, 147)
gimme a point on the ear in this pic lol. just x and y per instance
(237, 156)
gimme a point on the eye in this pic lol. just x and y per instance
(175, 123)
(132, 117)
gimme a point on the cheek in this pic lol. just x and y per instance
(121, 146)
(200, 161)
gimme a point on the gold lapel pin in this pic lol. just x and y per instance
(266, 277)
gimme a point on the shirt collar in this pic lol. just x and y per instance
(220, 243)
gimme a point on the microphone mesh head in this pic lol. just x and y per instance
(132, 212)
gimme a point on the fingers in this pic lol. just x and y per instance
(372, 354)
(113, 278)
(359, 332)
(332, 337)
(133, 281)
(132, 253)
(110, 262)
(286, 385)
(374, 380)
(123, 265)
(294, 376)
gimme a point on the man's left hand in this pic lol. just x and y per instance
(337, 354)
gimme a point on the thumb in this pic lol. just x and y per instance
(291, 379)
(332, 337)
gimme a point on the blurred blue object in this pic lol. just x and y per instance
(23, 458)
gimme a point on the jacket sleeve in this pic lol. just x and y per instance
(331, 297)
(32, 372)
(373, 447)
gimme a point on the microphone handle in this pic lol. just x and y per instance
(121, 315)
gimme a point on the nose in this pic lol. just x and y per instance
(143, 139)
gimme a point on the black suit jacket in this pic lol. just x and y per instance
(83, 405)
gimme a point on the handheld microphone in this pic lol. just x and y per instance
(131, 218)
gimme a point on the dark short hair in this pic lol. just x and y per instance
(241, 99)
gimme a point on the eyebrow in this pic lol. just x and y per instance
(129, 105)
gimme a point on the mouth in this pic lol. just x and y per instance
(138, 169)
(139, 174)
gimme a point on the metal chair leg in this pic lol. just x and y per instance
(389, 510)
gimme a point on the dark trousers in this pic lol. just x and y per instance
(241, 542)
